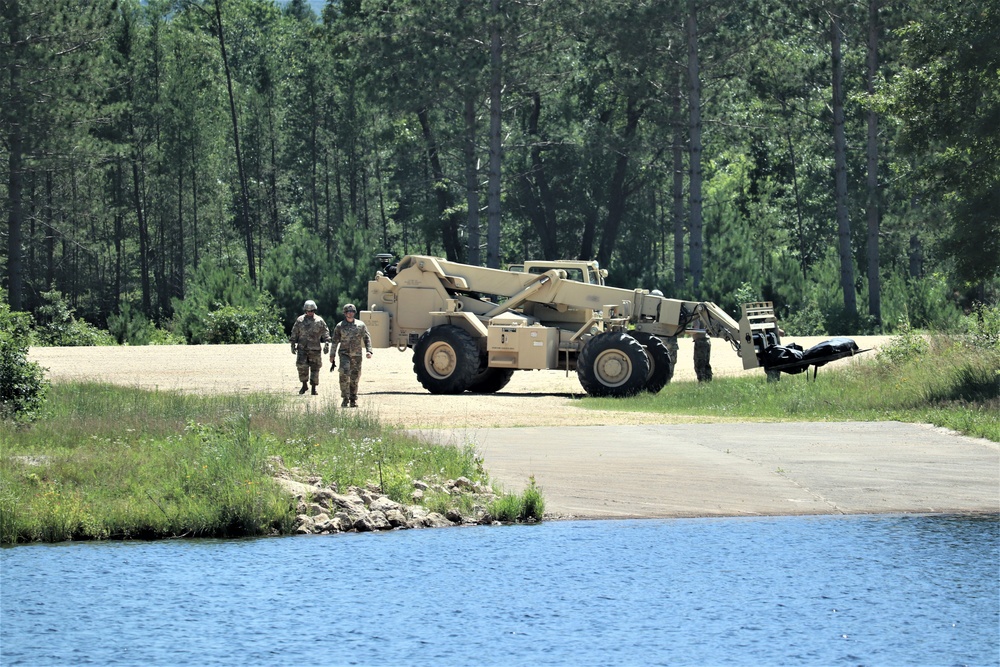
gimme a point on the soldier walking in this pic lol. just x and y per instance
(351, 335)
(308, 333)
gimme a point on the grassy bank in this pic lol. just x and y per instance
(112, 462)
(936, 381)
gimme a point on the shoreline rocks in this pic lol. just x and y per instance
(323, 510)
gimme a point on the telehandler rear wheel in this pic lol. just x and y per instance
(445, 359)
(660, 367)
(612, 364)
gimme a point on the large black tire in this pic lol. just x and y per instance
(613, 364)
(661, 369)
(491, 380)
(445, 359)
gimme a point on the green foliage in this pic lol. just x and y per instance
(356, 139)
(946, 96)
(232, 324)
(298, 269)
(983, 327)
(511, 508)
(532, 503)
(116, 462)
(905, 347)
(130, 327)
(22, 383)
(506, 509)
(806, 320)
(223, 307)
(57, 325)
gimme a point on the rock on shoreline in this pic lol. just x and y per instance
(322, 510)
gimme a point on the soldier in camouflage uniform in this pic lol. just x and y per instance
(308, 333)
(702, 354)
(351, 335)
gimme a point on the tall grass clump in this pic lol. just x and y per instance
(112, 462)
(511, 508)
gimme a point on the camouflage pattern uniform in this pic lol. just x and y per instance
(308, 335)
(671, 343)
(353, 339)
(702, 356)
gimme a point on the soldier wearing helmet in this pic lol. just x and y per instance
(352, 336)
(309, 333)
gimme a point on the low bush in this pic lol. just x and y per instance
(983, 327)
(22, 382)
(242, 325)
(57, 326)
(130, 327)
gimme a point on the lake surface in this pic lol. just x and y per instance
(858, 590)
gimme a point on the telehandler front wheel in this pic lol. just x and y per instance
(445, 359)
(490, 380)
(612, 364)
(661, 369)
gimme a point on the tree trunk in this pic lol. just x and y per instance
(15, 164)
(793, 165)
(874, 208)
(493, 187)
(694, 149)
(543, 216)
(840, 175)
(618, 193)
(678, 194)
(140, 214)
(244, 193)
(471, 181)
(449, 230)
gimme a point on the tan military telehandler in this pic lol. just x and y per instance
(471, 327)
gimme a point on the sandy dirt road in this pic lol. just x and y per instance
(607, 463)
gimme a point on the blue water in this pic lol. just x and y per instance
(870, 590)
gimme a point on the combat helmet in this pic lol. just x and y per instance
(309, 305)
(349, 308)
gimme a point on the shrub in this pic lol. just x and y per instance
(983, 326)
(532, 503)
(235, 324)
(805, 320)
(529, 506)
(130, 327)
(506, 508)
(222, 307)
(57, 325)
(903, 347)
(22, 383)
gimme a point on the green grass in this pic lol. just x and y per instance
(529, 506)
(112, 462)
(944, 383)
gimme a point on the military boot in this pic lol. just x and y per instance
(314, 392)
(304, 388)
(354, 401)
(343, 403)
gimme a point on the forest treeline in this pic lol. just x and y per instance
(167, 159)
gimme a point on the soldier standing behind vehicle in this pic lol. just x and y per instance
(308, 332)
(702, 351)
(351, 335)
